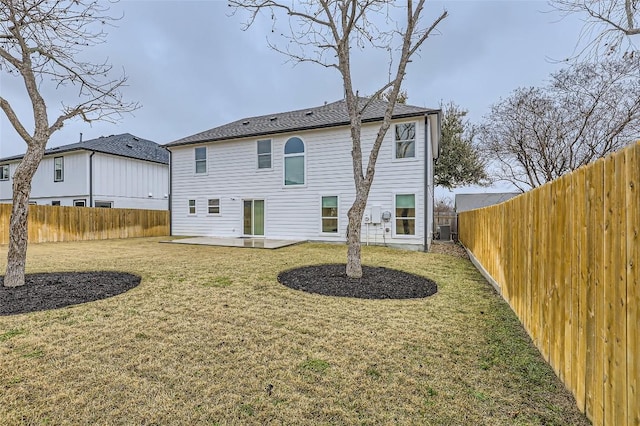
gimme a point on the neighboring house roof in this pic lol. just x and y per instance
(328, 115)
(124, 145)
(466, 202)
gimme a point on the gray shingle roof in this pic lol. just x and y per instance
(329, 115)
(124, 145)
(466, 202)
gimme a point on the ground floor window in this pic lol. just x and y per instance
(214, 205)
(192, 206)
(79, 203)
(405, 214)
(55, 203)
(104, 204)
(330, 214)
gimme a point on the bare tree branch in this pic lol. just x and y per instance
(586, 112)
(13, 119)
(40, 41)
(323, 27)
(608, 25)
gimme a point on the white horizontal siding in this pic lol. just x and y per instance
(293, 212)
(74, 181)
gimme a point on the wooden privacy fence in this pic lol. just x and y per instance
(566, 257)
(56, 223)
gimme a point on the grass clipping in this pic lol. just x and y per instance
(211, 337)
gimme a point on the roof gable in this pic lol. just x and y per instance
(328, 115)
(123, 145)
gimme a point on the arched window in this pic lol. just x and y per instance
(294, 162)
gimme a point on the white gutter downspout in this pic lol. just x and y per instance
(90, 176)
(433, 120)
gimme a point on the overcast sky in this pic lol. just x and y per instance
(192, 68)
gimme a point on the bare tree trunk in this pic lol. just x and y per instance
(18, 228)
(41, 42)
(354, 261)
(327, 28)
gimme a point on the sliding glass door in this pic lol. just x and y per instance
(253, 218)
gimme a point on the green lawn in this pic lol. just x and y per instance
(210, 337)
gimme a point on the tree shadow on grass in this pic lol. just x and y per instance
(46, 291)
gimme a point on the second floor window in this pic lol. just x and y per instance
(405, 143)
(58, 169)
(294, 162)
(201, 159)
(264, 154)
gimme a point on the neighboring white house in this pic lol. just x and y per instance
(465, 202)
(290, 176)
(120, 171)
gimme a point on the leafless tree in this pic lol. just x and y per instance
(443, 205)
(609, 25)
(325, 32)
(586, 112)
(40, 44)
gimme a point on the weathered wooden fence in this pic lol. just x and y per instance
(56, 223)
(566, 257)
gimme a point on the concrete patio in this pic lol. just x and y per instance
(263, 243)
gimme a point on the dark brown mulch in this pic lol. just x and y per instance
(56, 290)
(376, 282)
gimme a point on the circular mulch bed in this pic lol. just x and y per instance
(42, 292)
(376, 282)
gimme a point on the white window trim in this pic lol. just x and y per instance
(61, 169)
(80, 200)
(416, 155)
(206, 161)
(2, 166)
(265, 169)
(104, 202)
(323, 233)
(195, 207)
(241, 223)
(219, 206)
(304, 155)
(393, 216)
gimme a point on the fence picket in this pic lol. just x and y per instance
(633, 284)
(566, 257)
(620, 284)
(59, 223)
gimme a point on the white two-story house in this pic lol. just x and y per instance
(290, 176)
(120, 171)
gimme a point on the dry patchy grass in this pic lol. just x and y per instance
(210, 337)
